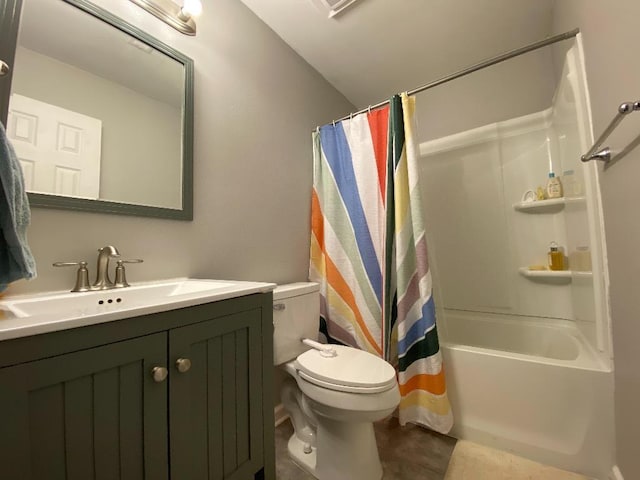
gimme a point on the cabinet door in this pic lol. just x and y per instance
(93, 414)
(9, 19)
(216, 406)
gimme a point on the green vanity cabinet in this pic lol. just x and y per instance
(216, 431)
(85, 404)
(73, 415)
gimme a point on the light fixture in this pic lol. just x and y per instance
(191, 8)
(179, 17)
(334, 7)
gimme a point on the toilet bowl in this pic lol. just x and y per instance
(333, 394)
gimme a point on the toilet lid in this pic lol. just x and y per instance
(350, 370)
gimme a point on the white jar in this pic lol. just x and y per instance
(580, 259)
(570, 184)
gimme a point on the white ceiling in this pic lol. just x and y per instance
(380, 47)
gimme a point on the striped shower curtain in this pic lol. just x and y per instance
(369, 253)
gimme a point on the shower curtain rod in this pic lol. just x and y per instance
(478, 66)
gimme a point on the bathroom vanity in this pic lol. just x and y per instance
(182, 393)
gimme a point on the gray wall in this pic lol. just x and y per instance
(508, 90)
(256, 103)
(611, 40)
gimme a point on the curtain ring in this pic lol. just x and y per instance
(334, 123)
(318, 129)
(369, 109)
(351, 116)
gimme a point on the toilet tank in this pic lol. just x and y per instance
(296, 315)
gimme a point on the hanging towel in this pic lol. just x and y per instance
(16, 261)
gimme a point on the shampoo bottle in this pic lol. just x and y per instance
(554, 187)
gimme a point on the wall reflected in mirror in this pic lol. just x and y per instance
(94, 112)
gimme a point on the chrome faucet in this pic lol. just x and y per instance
(103, 282)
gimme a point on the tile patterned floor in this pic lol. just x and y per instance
(406, 453)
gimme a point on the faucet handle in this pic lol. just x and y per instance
(121, 278)
(82, 277)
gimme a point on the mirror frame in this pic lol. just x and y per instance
(9, 22)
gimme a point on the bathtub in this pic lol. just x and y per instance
(530, 386)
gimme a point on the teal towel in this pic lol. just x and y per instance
(16, 260)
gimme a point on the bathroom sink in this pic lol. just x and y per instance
(34, 314)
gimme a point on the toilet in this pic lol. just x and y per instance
(332, 393)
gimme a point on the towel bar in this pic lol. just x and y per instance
(604, 155)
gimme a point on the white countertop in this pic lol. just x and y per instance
(26, 315)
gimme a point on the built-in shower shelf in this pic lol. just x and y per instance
(542, 206)
(551, 274)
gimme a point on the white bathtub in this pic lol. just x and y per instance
(530, 386)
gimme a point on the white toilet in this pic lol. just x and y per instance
(333, 394)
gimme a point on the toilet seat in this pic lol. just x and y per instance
(351, 370)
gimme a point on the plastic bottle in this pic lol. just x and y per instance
(581, 259)
(556, 257)
(570, 184)
(554, 187)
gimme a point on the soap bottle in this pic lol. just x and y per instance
(554, 187)
(556, 257)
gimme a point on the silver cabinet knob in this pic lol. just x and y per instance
(159, 374)
(4, 69)
(183, 365)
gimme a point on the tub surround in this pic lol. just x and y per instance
(495, 165)
(527, 352)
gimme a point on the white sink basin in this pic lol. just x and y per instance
(35, 314)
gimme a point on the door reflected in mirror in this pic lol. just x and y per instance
(96, 111)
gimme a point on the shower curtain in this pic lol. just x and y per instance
(369, 253)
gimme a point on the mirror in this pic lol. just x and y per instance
(100, 113)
